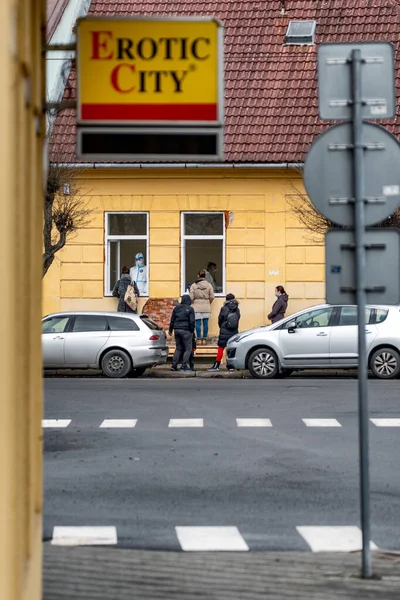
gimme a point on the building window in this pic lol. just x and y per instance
(127, 235)
(300, 33)
(203, 247)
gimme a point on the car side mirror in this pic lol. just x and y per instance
(292, 327)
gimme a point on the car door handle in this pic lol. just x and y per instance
(368, 331)
(322, 334)
(58, 337)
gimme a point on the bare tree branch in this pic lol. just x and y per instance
(65, 209)
(316, 224)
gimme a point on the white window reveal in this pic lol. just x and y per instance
(203, 247)
(127, 245)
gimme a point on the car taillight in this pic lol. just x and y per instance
(153, 338)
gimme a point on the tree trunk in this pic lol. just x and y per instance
(50, 249)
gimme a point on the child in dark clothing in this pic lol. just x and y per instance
(194, 348)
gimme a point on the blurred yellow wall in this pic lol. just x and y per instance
(21, 169)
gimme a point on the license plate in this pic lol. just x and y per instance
(164, 352)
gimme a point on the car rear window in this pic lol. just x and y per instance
(90, 323)
(150, 323)
(380, 315)
(122, 324)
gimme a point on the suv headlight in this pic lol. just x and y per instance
(241, 337)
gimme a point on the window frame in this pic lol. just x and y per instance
(185, 237)
(332, 319)
(108, 238)
(75, 316)
(370, 321)
(50, 317)
(374, 320)
(135, 328)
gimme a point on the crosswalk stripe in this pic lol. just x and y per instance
(386, 422)
(119, 423)
(55, 422)
(333, 538)
(211, 539)
(254, 422)
(186, 423)
(321, 422)
(84, 536)
(241, 422)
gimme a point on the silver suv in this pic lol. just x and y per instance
(117, 343)
(321, 337)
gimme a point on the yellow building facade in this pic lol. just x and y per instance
(22, 23)
(262, 243)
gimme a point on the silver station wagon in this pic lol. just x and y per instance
(321, 337)
(119, 344)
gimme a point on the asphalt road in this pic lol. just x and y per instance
(266, 481)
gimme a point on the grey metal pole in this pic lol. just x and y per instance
(359, 196)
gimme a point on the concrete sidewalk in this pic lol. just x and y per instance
(90, 573)
(164, 372)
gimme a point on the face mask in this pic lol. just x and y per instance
(276, 295)
(139, 261)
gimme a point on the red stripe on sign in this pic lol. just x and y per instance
(149, 112)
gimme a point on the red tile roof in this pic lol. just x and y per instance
(270, 89)
(54, 12)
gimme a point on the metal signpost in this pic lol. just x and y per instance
(150, 88)
(356, 81)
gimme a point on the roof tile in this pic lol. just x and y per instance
(271, 105)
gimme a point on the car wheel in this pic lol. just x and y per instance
(137, 372)
(385, 363)
(263, 363)
(116, 364)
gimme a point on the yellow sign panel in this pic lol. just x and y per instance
(150, 70)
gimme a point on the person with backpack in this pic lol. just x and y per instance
(228, 322)
(182, 323)
(120, 289)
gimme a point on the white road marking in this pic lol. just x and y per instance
(56, 422)
(186, 423)
(333, 539)
(84, 536)
(211, 539)
(386, 422)
(119, 423)
(321, 422)
(254, 422)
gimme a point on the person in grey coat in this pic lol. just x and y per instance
(280, 305)
(120, 288)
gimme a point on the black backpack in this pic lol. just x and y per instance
(232, 321)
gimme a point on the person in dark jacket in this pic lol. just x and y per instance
(120, 288)
(183, 324)
(228, 321)
(280, 305)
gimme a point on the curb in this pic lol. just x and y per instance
(204, 374)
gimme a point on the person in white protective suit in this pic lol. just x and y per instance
(138, 274)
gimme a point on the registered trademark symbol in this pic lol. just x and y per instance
(192, 67)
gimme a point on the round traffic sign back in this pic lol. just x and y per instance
(328, 174)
